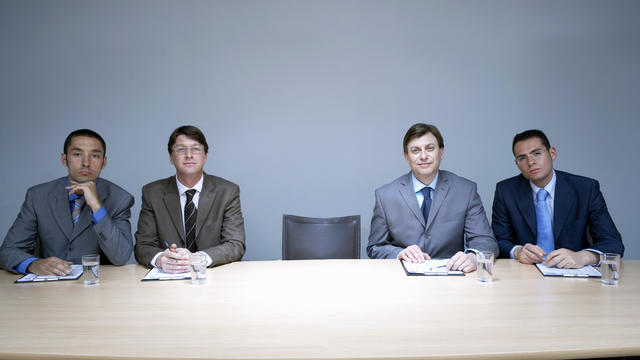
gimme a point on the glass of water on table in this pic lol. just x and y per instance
(91, 269)
(610, 269)
(484, 269)
(198, 263)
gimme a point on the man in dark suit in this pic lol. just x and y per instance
(75, 215)
(549, 215)
(429, 212)
(189, 212)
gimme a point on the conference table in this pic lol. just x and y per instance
(322, 309)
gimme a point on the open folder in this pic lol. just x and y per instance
(428, 268)
(158, 274)
(76, 272)
(583, 272)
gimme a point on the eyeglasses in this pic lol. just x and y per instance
(183, 150)
(534, 155)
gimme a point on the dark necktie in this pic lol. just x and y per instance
(190, 215)
(426, 204)
(543, 222)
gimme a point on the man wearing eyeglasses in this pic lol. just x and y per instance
(190, 212)
(549, 215)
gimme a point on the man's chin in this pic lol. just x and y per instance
(190, 171)
(83, 179)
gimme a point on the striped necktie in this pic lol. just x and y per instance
(190, 215)
(78, 203)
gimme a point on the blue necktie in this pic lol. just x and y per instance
(78, 203)
(543, 220)
(426, 204)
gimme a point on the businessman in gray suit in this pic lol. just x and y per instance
(75, 215)
(429, 212)
(189, 212)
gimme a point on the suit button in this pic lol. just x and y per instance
(70, 248)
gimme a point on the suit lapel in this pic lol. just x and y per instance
(205, 203)
(565, 199)
(409, 196)
(172, 202)
(442, 189)
(525, 204)
(83, 222)
(60, 207)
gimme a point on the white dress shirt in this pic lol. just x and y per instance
(182, 191)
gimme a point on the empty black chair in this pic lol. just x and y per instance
(306, 238)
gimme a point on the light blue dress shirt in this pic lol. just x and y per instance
(417, 187)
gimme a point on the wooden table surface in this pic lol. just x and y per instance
(321, 309)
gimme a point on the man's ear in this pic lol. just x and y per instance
(63, 159)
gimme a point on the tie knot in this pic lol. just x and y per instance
(190, 194)
(542, 195)
(79, 201)
(426, 191)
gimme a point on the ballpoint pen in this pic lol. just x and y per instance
(437, 267)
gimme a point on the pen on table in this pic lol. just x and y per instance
(437, 267)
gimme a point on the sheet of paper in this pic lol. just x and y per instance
(586, 271)
(76, 272)
(432, 266)
(158, 274)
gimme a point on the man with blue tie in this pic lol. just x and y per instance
(429, 212)
(549, 215)
(75, 215)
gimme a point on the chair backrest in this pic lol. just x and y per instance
(306, 238)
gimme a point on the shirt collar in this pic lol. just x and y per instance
(182, 189)
(550, 187)
(417, 185)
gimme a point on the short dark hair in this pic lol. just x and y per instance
(87, 133)
(192, 133)
(419, 130)
(533, 133)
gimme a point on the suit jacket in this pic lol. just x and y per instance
(578, 206)
(44, 227)
(456, 213)
(219, 223)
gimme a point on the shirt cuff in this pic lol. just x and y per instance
(597, 252)
(98, 215)
(153, 261)
(513, 251)
(209, 259)
(22, 267)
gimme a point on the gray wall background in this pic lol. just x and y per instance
(306, 102)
